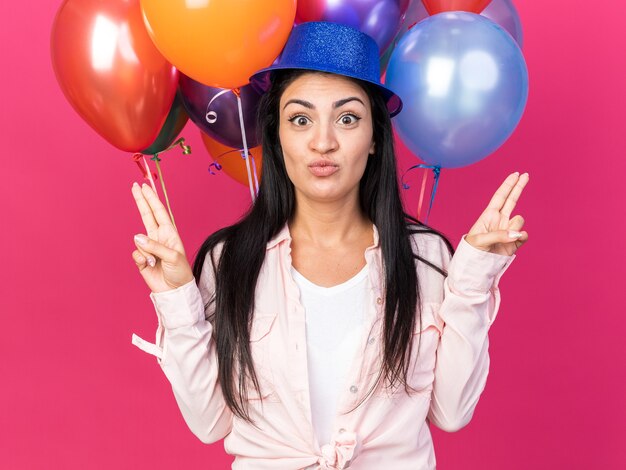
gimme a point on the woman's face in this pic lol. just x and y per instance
(326, 134)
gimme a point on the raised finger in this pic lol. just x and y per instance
(139, 259)
(516, 223)
(158, 209)
(498, 199)
(146, 212)
(514, 195)
(521, 240)
(150, 259)
(153, 248)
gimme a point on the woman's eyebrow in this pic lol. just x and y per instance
(304, 103)
(336, 104)
(340, 103)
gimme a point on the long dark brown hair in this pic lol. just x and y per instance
(244, 244)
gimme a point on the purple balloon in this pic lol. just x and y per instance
(216, 113)
(378, 18)
(416, 12)
(504, 13)
(344, 13)
(383, 22)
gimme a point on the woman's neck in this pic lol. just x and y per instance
(328, 224)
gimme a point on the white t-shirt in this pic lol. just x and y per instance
(334, 317)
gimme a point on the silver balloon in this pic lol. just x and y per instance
(464, 84)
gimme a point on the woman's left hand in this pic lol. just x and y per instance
(491, 232)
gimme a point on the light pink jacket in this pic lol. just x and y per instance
(389, 430)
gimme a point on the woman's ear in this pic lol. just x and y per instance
(372, 148)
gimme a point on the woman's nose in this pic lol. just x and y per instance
(323, 139)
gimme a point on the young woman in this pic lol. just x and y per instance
(326, 328)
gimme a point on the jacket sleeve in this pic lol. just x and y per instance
(187, 355)
(471, 299)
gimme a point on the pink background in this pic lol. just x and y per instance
(75, 393)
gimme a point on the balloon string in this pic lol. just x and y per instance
(167, 201)
(145, 170)
(219, 167)
(180, 142)
(423, 188)
(245, 142)
(436, 172)
(186, 151)
(211, 116)
(256, 179)
(148, 175)
(216, 163)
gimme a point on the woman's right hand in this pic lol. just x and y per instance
(162, 261)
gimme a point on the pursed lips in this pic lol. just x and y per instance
(322, 168)
(322, 163)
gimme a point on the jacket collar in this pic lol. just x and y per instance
(284, 234)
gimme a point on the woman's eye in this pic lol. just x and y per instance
(299, 120)
(348, 119)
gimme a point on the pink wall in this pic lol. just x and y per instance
(75, 393)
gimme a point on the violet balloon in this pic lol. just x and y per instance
(215, 111)
(505, 14)
(415, 13)
(378, 18)
(464, 84)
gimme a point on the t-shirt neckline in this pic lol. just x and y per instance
(333, 289)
